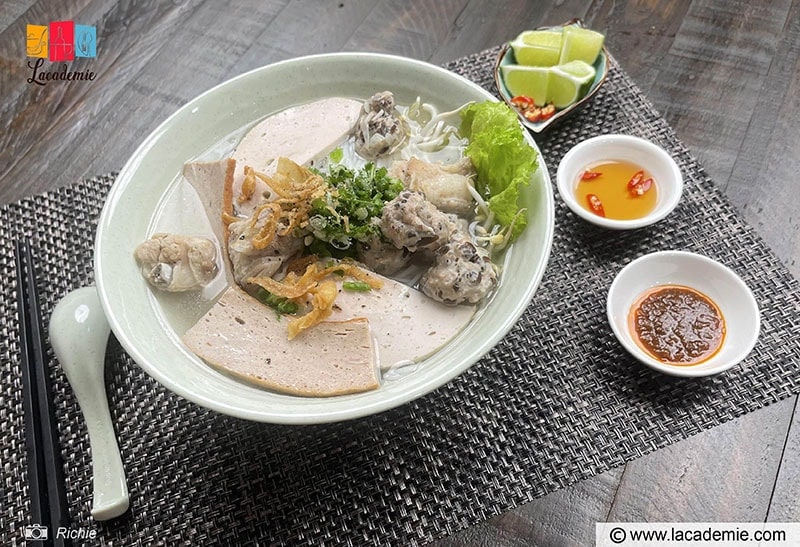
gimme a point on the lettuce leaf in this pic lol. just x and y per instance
(502, 158)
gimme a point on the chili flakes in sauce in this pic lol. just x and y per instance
(677, 325)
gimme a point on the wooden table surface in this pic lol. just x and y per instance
(724, 73)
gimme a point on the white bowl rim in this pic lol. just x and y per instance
(356, 411)
(689, 371)
(564, 183)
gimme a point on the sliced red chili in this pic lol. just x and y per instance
(533, 114)
(635, 179)
(548, 110)
(595, 205)
(642, 187)
(522, 102)
(589, 174)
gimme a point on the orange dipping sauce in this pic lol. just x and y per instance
(609, 185)
(677, 325)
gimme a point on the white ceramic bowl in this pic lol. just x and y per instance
(623, 148)
(149, 329)
(719, 283)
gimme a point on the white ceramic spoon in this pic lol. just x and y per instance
(79, 334)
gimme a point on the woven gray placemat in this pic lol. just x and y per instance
(555, 402)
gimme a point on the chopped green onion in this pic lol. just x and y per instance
(280, 304)
(347, 213)
(336, 155)
(356, 286)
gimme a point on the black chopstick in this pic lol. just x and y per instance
(45, 470)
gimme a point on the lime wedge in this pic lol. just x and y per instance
(537, 47)
(579, 69)
(531, 81)
(568, 83)
(543, 37)
(581, 44)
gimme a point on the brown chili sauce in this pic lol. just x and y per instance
(677, 325)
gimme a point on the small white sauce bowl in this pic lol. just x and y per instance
(717, 282)
(653, 158)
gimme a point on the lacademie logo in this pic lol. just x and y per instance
(60, 41)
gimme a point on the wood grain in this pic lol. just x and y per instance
(703, 479)
(477, 28)
(772, 148)
(565, 517)
(725, 74)
(785, 503)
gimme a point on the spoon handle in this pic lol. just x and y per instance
(79, 334)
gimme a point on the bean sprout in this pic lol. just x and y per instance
(433, 135)
(483, 230)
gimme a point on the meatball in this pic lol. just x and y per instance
(379, 132)
(382, 257)
(175, 263)
(410, 221)
(462, 273)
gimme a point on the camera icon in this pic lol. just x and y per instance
(36, 532)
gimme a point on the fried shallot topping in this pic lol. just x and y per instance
(314, 288)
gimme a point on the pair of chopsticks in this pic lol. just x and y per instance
(45, 470)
